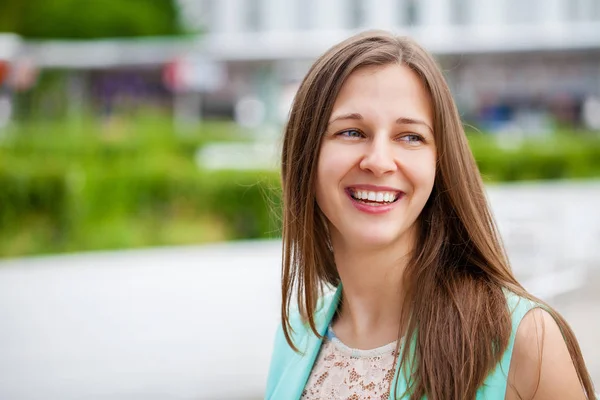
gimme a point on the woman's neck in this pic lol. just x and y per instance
(369, 313)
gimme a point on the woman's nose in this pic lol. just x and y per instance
(379, 158)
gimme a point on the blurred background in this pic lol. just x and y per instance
(139, 186)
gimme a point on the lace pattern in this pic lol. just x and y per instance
(343, 373)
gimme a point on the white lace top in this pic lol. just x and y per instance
(341, 372)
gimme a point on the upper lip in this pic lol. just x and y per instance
(374, 188)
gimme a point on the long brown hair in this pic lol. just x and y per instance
(455, 279)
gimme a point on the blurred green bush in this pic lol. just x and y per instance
(562, 156)
(132, 183)
(42, 19)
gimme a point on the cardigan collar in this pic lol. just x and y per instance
(294, 379)
(299, 367)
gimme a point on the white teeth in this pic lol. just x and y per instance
(380, 197)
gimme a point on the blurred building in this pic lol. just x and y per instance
(510, 62)
(513, 65)
(81, 76)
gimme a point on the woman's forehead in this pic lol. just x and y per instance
(393, 89)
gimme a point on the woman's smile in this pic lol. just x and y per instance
(374, 201)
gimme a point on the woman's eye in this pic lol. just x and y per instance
(412, 138)
(351, 133)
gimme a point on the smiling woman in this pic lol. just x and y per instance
(384, 204)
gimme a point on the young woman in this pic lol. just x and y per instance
(384, 204)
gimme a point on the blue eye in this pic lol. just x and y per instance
(351, 133)
(412, 138)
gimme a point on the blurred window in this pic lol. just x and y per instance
(522, 12)
(305, 14)
(356, 13)
(573, 10)
(253, 17)
(595, 10)
(197, 14)
(409, 12)
(207, 13)
(583, 10)
(459, 12)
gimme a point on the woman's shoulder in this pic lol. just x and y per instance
(541, 365)
(495, 383)
(536, 343)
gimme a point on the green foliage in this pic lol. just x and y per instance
(564, 156)
(122, 185)
(76, 19)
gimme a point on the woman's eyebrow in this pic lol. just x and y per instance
(399, 121)
(413, 121)
(354, 116)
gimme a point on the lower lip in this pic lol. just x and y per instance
(369, 209)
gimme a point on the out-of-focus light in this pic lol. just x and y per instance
(287, 99)
(24, 74)
(238, 156)
(591, 113)
(249, 112)
(4, 70)
(5, 111)
(194, 73)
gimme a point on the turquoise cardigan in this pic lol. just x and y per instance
(289, 371)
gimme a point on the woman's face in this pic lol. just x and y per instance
(377, 163)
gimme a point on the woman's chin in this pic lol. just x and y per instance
(374, 240)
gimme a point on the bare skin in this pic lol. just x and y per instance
(541, 367)
(370, 309)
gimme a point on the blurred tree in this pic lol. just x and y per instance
(89, 19)
(10, 10)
